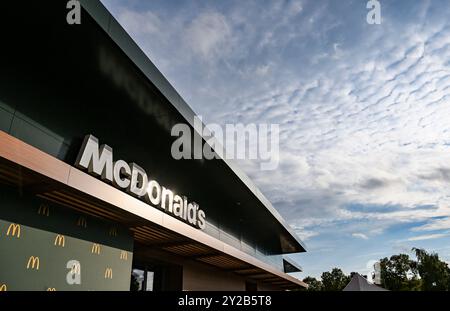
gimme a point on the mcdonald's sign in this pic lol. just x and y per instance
(3, 288)
(95, 249)
(82, 222)
(124, 255)
(108, 273)
(33, 262)
(14, 229)
(113, 231)
(51, 289)
(44, 210)
(60, 240)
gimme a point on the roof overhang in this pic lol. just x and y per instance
(47, 177)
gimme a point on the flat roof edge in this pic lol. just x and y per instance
(117, 33)
(293, 263)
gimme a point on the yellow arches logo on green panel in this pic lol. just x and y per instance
(124, 255)
(108, 273)
(95, 249)
(76, 268)
(60, 240)
(33, 263)
(13, 229)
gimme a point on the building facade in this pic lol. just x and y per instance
(84, 115)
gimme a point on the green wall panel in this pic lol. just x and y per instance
(30, 229)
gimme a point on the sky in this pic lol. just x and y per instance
(364, 111)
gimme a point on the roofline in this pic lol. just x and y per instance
(293, 263)
(118, 34)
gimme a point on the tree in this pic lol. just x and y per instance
(313, 284)
(335, 280)
(398, 273)
(435, 274)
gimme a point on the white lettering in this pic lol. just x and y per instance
(98, 161)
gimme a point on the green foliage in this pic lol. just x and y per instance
(428, 273)
(335, 280)
(435, 274)
(314, 285)
(398, 273)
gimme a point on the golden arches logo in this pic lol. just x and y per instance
(108, 273)
(113, 231)
(60, 240)
(76, 268)
(3, 288)
(124, 255)
(33, 262)
(82, 222)
(95, 249)
(51, 289)
(13, 229)
(44, 210)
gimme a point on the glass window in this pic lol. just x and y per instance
(142, 280)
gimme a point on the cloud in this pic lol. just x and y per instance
(434, 224)
(304, 234)
(137, 23)
(296, 7)
(428, 237)
(374, 183)
(360, 236)
(208, 35)
(440, 174)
